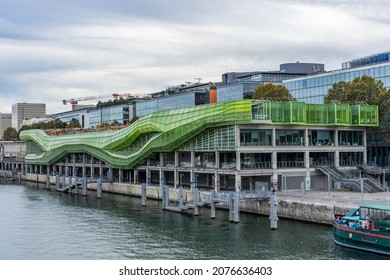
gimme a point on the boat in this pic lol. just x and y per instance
(365, 228)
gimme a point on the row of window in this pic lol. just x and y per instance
(295, 137)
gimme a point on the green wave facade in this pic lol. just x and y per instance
(165, 131)
(159, 132)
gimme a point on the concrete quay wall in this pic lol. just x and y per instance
(287, 209)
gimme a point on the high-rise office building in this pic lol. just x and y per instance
(26, 111)
(5, 122)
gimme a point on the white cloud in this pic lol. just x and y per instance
(82, 48)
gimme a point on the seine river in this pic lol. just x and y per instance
(40, 224)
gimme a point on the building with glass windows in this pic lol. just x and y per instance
(233, 145)
(313, 88)
(172, 101)
(25, 111)
(241, 85)
(119, 113)
(79, 115)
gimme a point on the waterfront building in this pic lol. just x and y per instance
(5, 122)
(244, 144)
(313, 88)
(26, 111)
(81, 115)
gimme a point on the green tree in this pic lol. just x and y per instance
(10, 134)
(366, 90)
(270, 91)
(73, 124)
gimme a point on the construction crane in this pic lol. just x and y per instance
(75, 101)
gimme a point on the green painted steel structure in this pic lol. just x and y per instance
(167, 130)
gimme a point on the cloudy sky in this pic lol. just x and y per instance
(52, 50)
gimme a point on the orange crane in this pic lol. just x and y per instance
(75, 101)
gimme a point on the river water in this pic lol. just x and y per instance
(40, 224)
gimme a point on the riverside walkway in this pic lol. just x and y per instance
(340, 198)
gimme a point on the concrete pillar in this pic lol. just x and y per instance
(192, 159)
(274, 160)
(136, 178)
(216, 180)
(306, 137)
(176, 159)
(237, 181)
(217, 159)
(161, 177)
(120, 175)
(307, 159)
(238, 160)
(273, 137)
(92, 171)
(336, 137)
(337, 158)
(176, 178)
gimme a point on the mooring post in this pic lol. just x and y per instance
(236, 207)
(273, 208)
(181, 198)
(196, 201)
(143, 194)
(47, 181)
(70, 185)
(63, 182)
(231, 210)
(99, 188)
(76, 186)
(57, 182)
(212, 203)
(84, 188)
(165, 197)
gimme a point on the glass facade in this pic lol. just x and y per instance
(255, 137)
(312, 89)
(289, 137)
(237, 91)
(182, 100)
(316, 114)
(109, 115)
(321, 137)
(350, 138)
